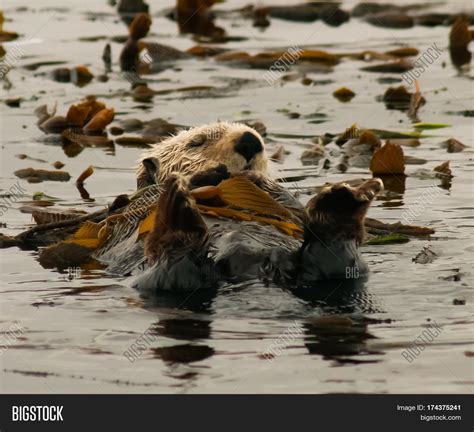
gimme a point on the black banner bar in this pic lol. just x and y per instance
(335, 412)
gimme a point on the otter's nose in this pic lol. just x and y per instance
(248, 146)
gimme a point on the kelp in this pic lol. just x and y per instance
(194, 16)
(44, 216)
(278, 59)
(389, 159)
(397, 97)
(416, 101)
(100, 120)
(74, 138)
(453, 145)
(313, 155)
(403, 52)
(396, 20)
(23, 156)
(443, 169)
(378, 227)
(398, 66)
(354, 132)
(140, 26)
(278, 155)
(430, 126)
(388, 134)
(333, 15)
(5, 36)
(425, 256)
(260, 17)
(129, 56)
(412, 160)
(88, 116)
(299, 12)
(142, 93)
(206, 51)
(85, 175)
(383, 240)
(79, 75)
(401, 99)
(137, 141)
(344, 94)
(459, 40)
(38, 175)
(49, 233)
(367, 137)
(405, 142)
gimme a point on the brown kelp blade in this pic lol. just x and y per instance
(147, 224)
(87, 235)
(239, 192)
(388, 160)
(288, 228)
(242, 193)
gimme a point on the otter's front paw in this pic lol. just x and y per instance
(178, 227)
(368, 190)
(339, 210)
(342, 199)
(210, 177)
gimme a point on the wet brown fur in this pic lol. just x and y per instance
(178, 223)
(202, 148)
(339, 210)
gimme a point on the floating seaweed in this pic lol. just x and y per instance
(395, 20)
(38, 175)
(79, 75)
(389, 159)
(88, 116)
(453, 145)
(383, 240)
(459, 39)
(5, 36)
(195, 16)
(344, 94)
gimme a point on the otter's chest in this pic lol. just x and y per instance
(242, 249)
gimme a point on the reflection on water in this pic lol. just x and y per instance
(196, 301)
(185, 353)
(339, 340)
(328, 330)
(186, 328)
(340, 296)
(394, 183)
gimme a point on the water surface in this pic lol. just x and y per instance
(77, 326)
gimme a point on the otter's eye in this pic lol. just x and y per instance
(197, 141)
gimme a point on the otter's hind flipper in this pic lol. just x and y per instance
(334, 230)
(177, 245)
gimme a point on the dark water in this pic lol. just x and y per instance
(75, 328)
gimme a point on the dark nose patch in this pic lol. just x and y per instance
(248, 146)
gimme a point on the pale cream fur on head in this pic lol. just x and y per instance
(202, 148)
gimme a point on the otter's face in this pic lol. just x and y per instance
(238, 147)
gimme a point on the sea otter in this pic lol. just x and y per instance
(193, 243)
(206, 212)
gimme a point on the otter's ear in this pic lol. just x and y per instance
(197, 140)
(152, 169)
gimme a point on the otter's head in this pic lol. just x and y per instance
(235, 145)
